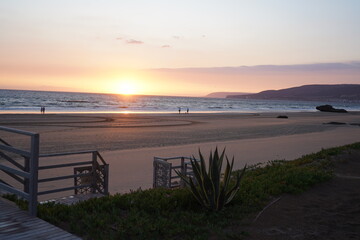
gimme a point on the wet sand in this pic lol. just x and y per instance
(128, 142)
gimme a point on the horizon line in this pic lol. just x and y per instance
(36, 90)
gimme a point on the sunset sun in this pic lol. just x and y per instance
(127, 88)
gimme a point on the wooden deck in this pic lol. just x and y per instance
(17, 224)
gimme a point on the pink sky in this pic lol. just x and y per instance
(178, 48)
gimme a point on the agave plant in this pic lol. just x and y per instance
(211, 188)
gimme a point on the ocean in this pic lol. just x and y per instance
(22, 101)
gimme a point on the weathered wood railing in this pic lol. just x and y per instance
(89, 176)
(26, 174)
(164, 174)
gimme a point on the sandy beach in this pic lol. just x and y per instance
(128, 142)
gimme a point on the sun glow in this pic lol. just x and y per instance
(127, 88)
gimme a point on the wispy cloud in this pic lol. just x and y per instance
(176, 37)
(133, 41)
(119, 38)
(165, 46)
(351, 67)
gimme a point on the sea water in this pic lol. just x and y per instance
(21, 101)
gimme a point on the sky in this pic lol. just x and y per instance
(187, 48)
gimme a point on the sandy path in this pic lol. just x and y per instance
(132, 169)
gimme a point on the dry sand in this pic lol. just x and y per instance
(129, 142)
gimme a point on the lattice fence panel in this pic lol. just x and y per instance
(162, 174)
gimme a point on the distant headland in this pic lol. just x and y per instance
(225, 94)
(347, 92)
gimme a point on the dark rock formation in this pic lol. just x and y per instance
(282, 116)
(336, 123)
(329, 108)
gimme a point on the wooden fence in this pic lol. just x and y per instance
(89, 176)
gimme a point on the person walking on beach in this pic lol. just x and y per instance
(43, 110)
(187, 110)
(179, 110)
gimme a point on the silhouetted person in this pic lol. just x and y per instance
(187, 110)
(179, 110)
(43, 110)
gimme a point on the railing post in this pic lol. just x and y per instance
(183, 172)
(93, 169)
(33, 170)
(26, 169)
(106, 179)
(170, 175)
(154, 173)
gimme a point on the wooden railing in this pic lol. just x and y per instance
(26, 174)
(89, 176)
(164, 174)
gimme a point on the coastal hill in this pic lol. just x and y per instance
(224, 94)
(349, 92)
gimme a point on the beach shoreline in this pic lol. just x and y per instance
(129, 142)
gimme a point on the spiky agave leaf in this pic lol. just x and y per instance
(225, 184)
(204, 181)
(198, 175)
(215, 172)
(232, 192)
(196, 193)
(199, 196)
(209, 190)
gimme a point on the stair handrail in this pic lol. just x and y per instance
(29, 172)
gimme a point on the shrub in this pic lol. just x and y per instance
(210, 188)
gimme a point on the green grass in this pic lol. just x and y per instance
(175, 214)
